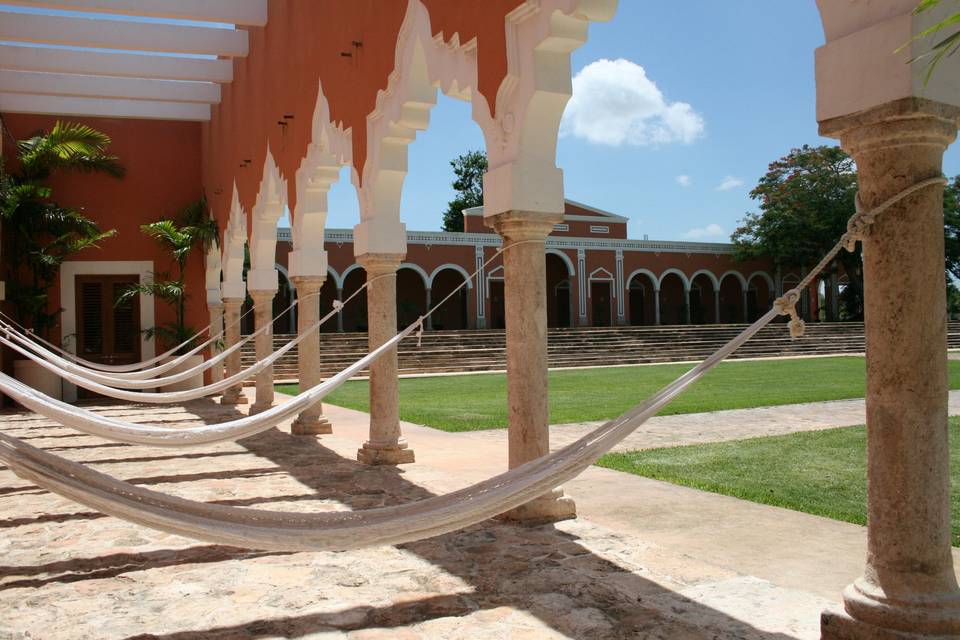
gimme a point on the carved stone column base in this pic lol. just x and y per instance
(869, 613)
(230, 399)
(375, 454)
(317, 426)
(550, 507)
(259, 408)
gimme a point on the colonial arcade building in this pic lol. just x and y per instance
(595, 276)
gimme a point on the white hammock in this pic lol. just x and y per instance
(101, 383)
(273, 530)
(133, 433)
(114, 379)
(339, 531)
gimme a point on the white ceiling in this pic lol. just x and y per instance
(161, 59)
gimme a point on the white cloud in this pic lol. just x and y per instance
(615, 103)
(730, 182)
(684, 181)
(708, 232)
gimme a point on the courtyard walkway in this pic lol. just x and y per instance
(645, 559)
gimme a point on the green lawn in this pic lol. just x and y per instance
(819, 472)
(473, 402)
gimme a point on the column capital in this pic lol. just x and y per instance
(904, 122)
(218, 305)
(231, 302)
(308, 283)
(524, 225)
(262, 296)
(380, 263)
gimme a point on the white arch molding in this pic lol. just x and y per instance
(571, 272)
(735, 274)
(710, 276)
(680, 274)
(420, 271)
(451, 267)
(649, 275)
(347, 272)
(335, 277)
(763, 275)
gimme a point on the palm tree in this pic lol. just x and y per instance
(193, 229)
(947, 46)
(40, 234)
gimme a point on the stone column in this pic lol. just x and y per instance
(909, 589)
(716, 306)
(231, 318)
(525, 294)
(656, 306)
(746, 307)
(216, 327)
(263, 317)
(311, 420)
(429, 322)
(686, 310)
(386, 444)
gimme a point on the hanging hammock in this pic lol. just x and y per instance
(286, 531)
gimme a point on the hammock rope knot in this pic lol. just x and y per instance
(786, 305)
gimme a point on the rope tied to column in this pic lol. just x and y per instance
(420, 322)
(858, 228)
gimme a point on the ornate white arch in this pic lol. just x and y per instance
(213, 268)
(677, 272)
(650, 276)
(737, 275)
(414, 267)
(267, 210)
(566, 260)
(453, 267)
(235, 239)
(329, 150)
(710, 276)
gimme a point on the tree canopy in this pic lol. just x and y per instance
(468, 169)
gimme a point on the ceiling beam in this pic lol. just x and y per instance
(59, 84)
(100, 107)
(251, 13)
(128, 36)
(129, 65)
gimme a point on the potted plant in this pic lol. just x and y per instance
(39, 234)
(192, 229)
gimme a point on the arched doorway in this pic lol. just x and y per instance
(641, 299)
(731, 299)
(495, 292)
(601, 284)
(702, 300)
(328, 293)
(559, 300)
(673, 303)
(411, 296)
(759, 296)
(355, 312)
(452, 314)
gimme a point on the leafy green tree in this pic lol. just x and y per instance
(469, 169)
(951, 227)
(39, 234)
(805, 199)
(192, 229)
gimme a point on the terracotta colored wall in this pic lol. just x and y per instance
(300, 48)
(162, 160)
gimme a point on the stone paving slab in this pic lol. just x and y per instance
(68, 572)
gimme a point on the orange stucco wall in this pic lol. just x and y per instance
(162, 160)
(302, 47)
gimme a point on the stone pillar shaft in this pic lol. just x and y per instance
(216, 328)
(386, 444)
(263, 317)
(311, 420)
(656, 306)
(909, 589)
(231, 308)
(525, 302)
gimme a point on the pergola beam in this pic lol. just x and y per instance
(127, 36)
(102, 107)
(59, 84)
(241, 12)
(129, 65)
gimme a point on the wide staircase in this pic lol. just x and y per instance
(460, 351)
